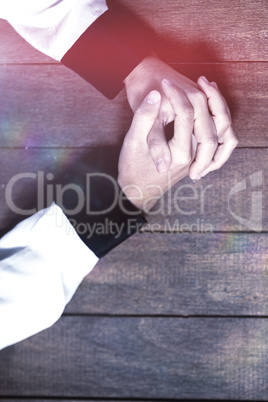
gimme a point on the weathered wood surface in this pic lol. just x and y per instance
(62, 399)
(207, 30)
(51, 106)
(179, 274)
(204, 30)
(205, 206)
(212, 202)
(142, 358)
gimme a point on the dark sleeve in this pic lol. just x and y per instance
(102, 215)
(88, 193)
(110, 49)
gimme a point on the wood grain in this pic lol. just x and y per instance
(179, 274)
(210, 205)
(51, 106)
(198, 358)
(207, 30)
(206, 206)
(203, 30)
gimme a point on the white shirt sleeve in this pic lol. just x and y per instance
(42, 263)
(51, 26)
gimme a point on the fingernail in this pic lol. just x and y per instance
(214, 84)
(161, 165)
(166, 81)
(153, 97)
(205, 79)
(195, 178)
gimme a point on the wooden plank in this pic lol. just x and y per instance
(217, 202)
(88, 400)
(51, 106)
(74, 400)
(179, 274)
(207, 30)
(206, 206)
(198, 358)
(203, 30)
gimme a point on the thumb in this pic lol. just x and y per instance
(145, 116)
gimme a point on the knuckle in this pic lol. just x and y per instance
(141, 110)
(187, 115)
(142, 114)
(134, 141)
(185, 159)
(203, 165)
(226, 120)
(200, 98)
(166, 117)
(234, 142)
(182, 158)
(212, 142)
(166, 112)
(131, 142)
(216, 165)
(154, 145)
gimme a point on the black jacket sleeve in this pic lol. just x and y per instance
(105, 217)
(110, 49)
(91, 199)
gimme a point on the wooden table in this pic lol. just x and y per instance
(180, 310)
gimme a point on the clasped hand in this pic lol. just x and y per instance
(203, 135)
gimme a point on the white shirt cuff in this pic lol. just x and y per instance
(44, 263)
(52, 27)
